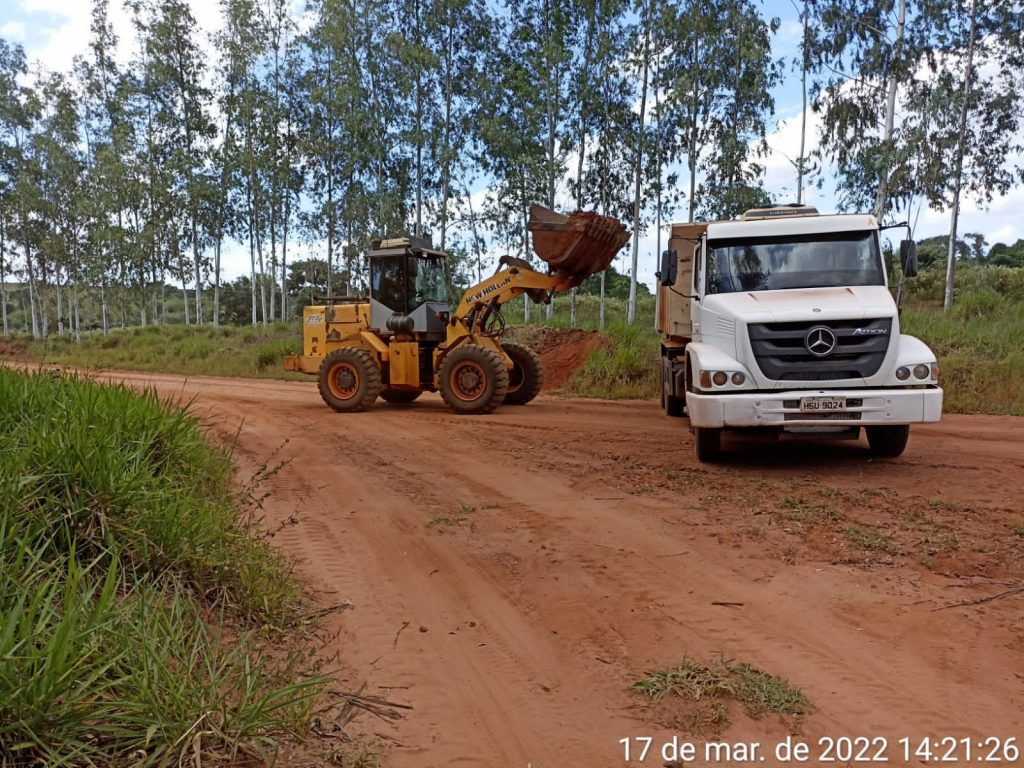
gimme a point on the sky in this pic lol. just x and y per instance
(53, 32)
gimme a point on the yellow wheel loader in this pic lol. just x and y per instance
(404, 338)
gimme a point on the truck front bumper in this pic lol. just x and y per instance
(864, 407)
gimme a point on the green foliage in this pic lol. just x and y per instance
(978, 347)
(205, 350)
(629, 366)
(1003, 255)
(123, 554)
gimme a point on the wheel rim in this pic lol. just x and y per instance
(343, 381)
(468, 380)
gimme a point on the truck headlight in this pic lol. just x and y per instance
(902, 373)
(720, 378)
(922, 371)
(935, 371)
(738, 379)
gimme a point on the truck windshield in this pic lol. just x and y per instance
(820, 260)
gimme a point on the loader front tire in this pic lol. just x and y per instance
(526, 377)
(473, 379)
(399, 396)
(349, 380)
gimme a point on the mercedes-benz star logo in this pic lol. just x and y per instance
(820, 341)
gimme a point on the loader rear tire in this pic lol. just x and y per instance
(526, 377)
(473, 379)
(399, 396)
(349, 380)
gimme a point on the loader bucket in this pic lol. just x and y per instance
(576, 246)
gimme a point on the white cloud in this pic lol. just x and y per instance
(13, 30)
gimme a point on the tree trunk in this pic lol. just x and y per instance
(692, 151)
(631, 307)
(881, 195)
(800, 162)
(3, 277)
(958, 176)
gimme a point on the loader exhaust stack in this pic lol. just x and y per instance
(576, 246)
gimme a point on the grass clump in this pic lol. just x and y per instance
(758, 691)
(134, 595)
(801, 510)
(453, 520)
(627, 367)
(870, 540)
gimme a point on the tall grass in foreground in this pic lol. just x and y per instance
(124, 560)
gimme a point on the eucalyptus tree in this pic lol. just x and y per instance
(12, 125)
(742, 106)
(693, 77)
(642, 56)
(870, 53)
(175, 71)
(109, 130)
(969, 106)
(59, 198)
(459, 32)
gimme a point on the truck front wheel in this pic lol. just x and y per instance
(888, 441)
(708, 443)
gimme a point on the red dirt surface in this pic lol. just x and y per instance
(563, 351)
(512, 575)
(11, 348)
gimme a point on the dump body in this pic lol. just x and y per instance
(786, 322)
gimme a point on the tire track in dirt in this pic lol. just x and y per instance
(541, 610)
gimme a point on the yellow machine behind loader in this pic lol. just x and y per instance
(405, 339)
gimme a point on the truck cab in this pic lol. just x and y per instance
(783, 320)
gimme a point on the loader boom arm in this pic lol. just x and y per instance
(508, 284)
(574, 247)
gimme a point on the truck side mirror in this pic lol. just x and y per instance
(908, 257)
(669, 267)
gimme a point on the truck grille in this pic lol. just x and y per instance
(782, 354)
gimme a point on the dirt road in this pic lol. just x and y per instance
(512, 575)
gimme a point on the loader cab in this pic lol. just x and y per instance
(408, 287)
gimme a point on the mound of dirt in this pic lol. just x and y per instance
(563, 351)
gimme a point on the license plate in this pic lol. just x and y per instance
(822, 404)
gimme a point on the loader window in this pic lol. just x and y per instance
(427, 280)
(824, 260)
(388, 282)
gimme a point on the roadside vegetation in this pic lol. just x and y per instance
(185, 349)
(138, 603)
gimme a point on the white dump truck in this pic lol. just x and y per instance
(783, 320)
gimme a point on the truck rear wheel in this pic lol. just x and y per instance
(399, 396)
(672, 404)
(349, 380)
(473, 379)
(526, 377)
(708, 443)
(888, 441)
